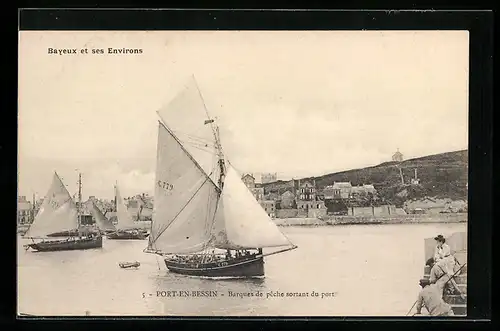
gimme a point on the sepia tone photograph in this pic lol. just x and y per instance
(242, 173)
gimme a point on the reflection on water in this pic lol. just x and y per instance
(352, 270)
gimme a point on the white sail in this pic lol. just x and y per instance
(125, 220)
(102, 222)
(57, 213)
(241, 222)
(185, 116)
(185, 199)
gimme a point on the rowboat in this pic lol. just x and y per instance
(126, 265)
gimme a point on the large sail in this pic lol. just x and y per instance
(57, 213)
(125, 220)
(102, 222)
(185, 199)
(186, 117)
(241, 223)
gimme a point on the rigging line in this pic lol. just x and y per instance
(194, 137)
(205, 107)
(187, 153)
(198, 144)
(204, 150)
(195, 141)
(183, 207)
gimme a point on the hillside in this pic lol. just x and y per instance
(441, 176)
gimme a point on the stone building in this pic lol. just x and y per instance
(258, 193)
(269, 206)
(307, 191)
(24, 210)
(287, 200)
(249, 180)
(337, 191)
(269, 177)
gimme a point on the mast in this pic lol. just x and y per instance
(222, 165)
(33, 210)
(79, 199)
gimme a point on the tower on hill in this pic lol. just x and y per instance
(397, 157)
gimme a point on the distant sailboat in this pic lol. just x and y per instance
(59, 213)
(125, 228)
(193, 216)
(104, 224)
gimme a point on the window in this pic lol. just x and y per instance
(317, 206)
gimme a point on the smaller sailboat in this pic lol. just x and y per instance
(125, 228)
(60, 213)
(104, 224)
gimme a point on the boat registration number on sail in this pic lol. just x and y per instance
(166, 186)
(54, 204)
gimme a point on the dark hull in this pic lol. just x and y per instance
(67, 245)
(245, 267)
(127, 235)
(72, 233)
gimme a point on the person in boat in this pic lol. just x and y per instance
(442, 255)
(437, 273)
(431, 297)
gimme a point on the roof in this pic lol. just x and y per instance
(23, 205)
(341, 185)
(248, 175)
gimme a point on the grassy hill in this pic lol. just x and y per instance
(441, 176)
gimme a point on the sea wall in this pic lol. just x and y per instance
(399, 219)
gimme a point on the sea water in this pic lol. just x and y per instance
(352, 270)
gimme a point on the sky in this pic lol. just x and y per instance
(298, 103)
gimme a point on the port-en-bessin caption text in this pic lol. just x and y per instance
(229, 293)
(108, 50)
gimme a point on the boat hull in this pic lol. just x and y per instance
(67, 245)
(72, 233)
(127, 236)
(246, 267)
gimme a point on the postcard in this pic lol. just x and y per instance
(242, 173)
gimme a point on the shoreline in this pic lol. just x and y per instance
(353, 220)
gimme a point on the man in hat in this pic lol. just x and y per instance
(431, 296)
(437, 273)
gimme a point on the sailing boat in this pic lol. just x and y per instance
(193, 217)
(104, 224)
(125, 228)
(60, 213)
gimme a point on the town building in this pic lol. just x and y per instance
(307, 201)
(287, 200)
(258, 193)
(337, 191)
(268, 178)
(24, 210)
(249, 180)
(397, 157)
(362, 190)
(269, 206)
(307, 191)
